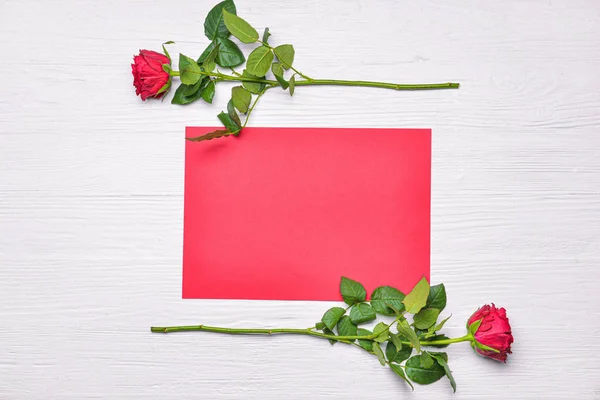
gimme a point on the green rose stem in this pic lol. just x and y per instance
(308, 332)
(333, 82)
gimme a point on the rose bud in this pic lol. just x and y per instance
(149, 77)
(491, 330)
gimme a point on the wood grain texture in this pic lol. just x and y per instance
(91, 184)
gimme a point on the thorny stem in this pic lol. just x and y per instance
(243, 331)
(333, 82)
(307, 332)
(233, 71)
(385, 85)
(286, 64)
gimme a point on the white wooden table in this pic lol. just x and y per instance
(91, 195)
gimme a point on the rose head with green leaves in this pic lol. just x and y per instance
(266, 67)
(151, 74)
(409, 343)
(493, 334)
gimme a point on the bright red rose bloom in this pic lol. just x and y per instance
(493, 332)
(148, 74)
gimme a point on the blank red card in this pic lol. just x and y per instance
(283, 213)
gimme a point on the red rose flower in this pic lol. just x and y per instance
(494, 332)
(149, 77)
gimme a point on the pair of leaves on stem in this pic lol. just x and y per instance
(261, 60)
(385, 299)
(229, 54)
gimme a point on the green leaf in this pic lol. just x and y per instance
(320, 325)
(426, 360)
(330, 332)
(189, 71)
(384, 296)
(365, 343)
(165, 88)
(379, 353)
(426, 317)
(241, 98)
(209, 61)
(423, 376)
(362, 313)
(253, 87)
(440, 354)
(438, 337)
(474, 326)
(228, 55)
(400, 372)
(266, 35)
(410, 335)
(420, 333)
(212, 55)
(259, 61)
(352, 291)
(190, 90)
(441, 324)
(417, 298)
(212, 135)
(345, 327)
(206, 52)
(395, 355)
(233, 114)
(229, 122)
(186, 94)
(209, 92)
(209, 66)
(484, 347)
(399, 313)
(240, 28)
(430, 330)
(214, 25)
(277, 70)
(437, 297)
(285, 53)
(165, 49)
(332, 317)
(395, 339)
(292, 83)
(381, 332)
(444, 363)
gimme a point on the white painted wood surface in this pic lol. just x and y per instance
(91, 195)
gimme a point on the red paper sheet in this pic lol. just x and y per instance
(283, 213)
